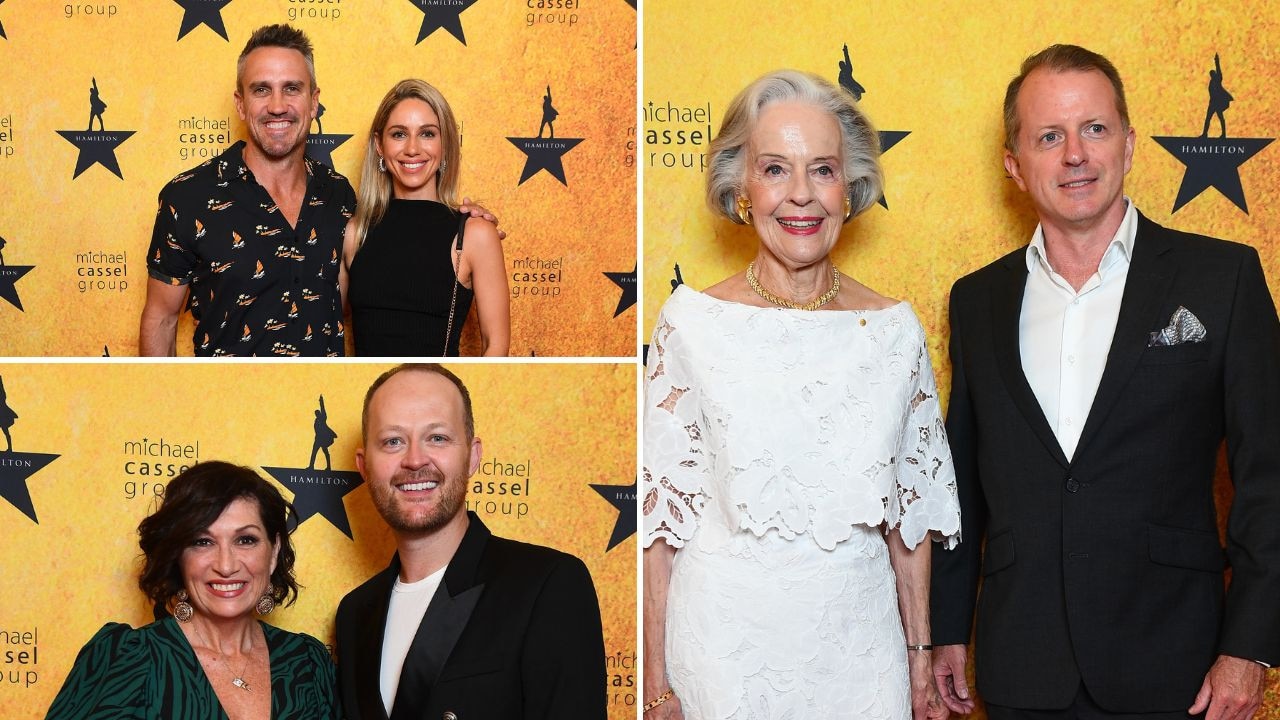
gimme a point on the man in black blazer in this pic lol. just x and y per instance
(462, 625)
(1095, 373)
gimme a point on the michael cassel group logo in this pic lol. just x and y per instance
(316, 491)
(545, 153)
(1213, 159)
(17, 467)
(97, 147)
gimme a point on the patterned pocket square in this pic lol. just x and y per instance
(1184, 327)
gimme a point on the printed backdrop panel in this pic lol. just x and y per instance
(92, 451)
(79, 204)
(932, 78)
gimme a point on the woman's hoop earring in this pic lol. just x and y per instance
(744, 210)
(381, 167)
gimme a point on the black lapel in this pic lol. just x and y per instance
(372, 620)
(1147, 283)
(1006, 310)
(446, 618)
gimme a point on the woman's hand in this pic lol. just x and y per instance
(926, 704)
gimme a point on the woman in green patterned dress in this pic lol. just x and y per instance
(217, 551)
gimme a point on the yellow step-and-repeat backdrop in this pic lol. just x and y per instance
(89, 449)
(932, 77)
(78, 206)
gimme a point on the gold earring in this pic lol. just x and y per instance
(848, 207)
(744, 210)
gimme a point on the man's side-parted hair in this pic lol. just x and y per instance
(859, 142)
(281, 36)
(193, 500)
(438, 369)
(1059, 58)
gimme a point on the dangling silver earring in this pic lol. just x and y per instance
(381, 167)
(182, 610)
(267, 602)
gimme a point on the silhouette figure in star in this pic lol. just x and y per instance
(324, 438)
(319, 113)
(677, 281)
(846, 76)
(549, 114)
(1219, 99)
(96, 108)
(7, 416)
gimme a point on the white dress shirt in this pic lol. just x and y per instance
(1064, 336)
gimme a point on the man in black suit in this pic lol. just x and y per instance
(1095, 373)
(463, 624)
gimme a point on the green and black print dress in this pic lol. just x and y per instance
(152, 672)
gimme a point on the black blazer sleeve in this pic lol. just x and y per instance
(1251, 383)
(563, 663)
(954, 586)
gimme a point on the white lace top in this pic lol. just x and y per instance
(805, 423)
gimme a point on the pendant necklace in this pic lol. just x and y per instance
(236, 679)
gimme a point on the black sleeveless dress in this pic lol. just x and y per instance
(401, 283)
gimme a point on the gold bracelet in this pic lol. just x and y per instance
(658, 701)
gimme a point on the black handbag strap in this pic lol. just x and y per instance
(453, 301)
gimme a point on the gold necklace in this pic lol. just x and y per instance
(816, 303)
(237, 680)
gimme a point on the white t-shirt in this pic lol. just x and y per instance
(409, 603)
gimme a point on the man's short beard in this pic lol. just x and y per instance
(451, 502)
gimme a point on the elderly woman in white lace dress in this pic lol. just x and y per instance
(795, 460)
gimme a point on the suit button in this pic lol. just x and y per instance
(1072, 485)
(449, 716)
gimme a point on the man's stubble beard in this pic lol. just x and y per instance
(451, 500)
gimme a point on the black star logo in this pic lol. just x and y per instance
(15, 468)
(96, 146)
(320, 147)
(623, 498)
(544, 154)
(9, 277)
(442, 14)
(319, 492)
(202, 12)
(626, 281)
(1212, 162)
(2, 35)
(889, 138)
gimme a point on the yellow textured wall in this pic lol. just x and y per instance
(938, 69)
(152, 82)
(562, 428)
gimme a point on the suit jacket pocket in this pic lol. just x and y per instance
(998, 554)
(1191, 549)
(1187, 352)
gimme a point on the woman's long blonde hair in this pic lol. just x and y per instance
(375, 186)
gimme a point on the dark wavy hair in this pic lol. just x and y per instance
(192, 502)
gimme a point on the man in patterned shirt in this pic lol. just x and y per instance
(255, 234)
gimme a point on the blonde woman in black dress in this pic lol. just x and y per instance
(410, 281)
